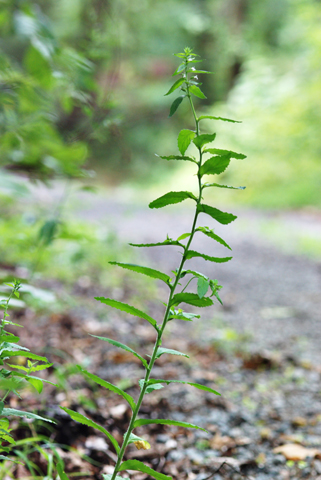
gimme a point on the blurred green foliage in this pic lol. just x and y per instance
(83, 81)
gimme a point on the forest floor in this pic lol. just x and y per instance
(261, 351)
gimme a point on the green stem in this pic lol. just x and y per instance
(171, 295)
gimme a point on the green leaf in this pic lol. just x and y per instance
(48, 231)
(162, 350)
(196, 385)
(206, 185)
(184, 139)
(124, 347)
(169, 241)
(215, 165)
(150, 272)
(22, 353)
(194, 273)
(143, 421)
(210, 117)
(10, 337)
(109, 386)
(192, 254)
(191, 299)
(140, 467)
(175, 105)
(196, 91)
(179, 69)
(149, 389)
(139, 442)
(198, 71)
(36, 383)
(128, 309)
(177, 157)
(202, 140)
(171, 198)
(61, 473)
(1, 407)
(221, 217)
(78, 417)
(202, 286)
(183, 236)
(219, 151)
(35, 368)
(20, 413)
(175, 85)
(211, 234)
(38, 67)
(3, 457)
(180, 315)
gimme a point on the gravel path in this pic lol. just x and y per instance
(272, 296)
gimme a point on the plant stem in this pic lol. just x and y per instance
(171, 295)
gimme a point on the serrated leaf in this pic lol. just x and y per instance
(221, 217)
(180, 315)
(141, 467)
(202, 140)
(109, 386)
(170, 198)
(36, 368)
(78, 417)
(19, 413)
(196, 91)
(159, 244)
(177, 157)
(162, 350)
(150, 272)
(124, 347)
(196, 385)
(209, 233)
(149, 389)
(22, 353)
(210, 117)
(193, 272)
(202, 286)
(184, 139)
(206, 185)
(175, 105)
(175, 85)
(193, 254)
(9, 336)
(11, 347)
(143, 421)
(219, 151)
(139, 442)
(215, 165)
(191, 299)
(128, 309)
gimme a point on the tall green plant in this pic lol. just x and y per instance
(207, 289)
(12, 375)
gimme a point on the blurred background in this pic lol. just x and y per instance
(82, 114)
(83, 106)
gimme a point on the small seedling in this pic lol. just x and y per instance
(13, 375)
(207, 290)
